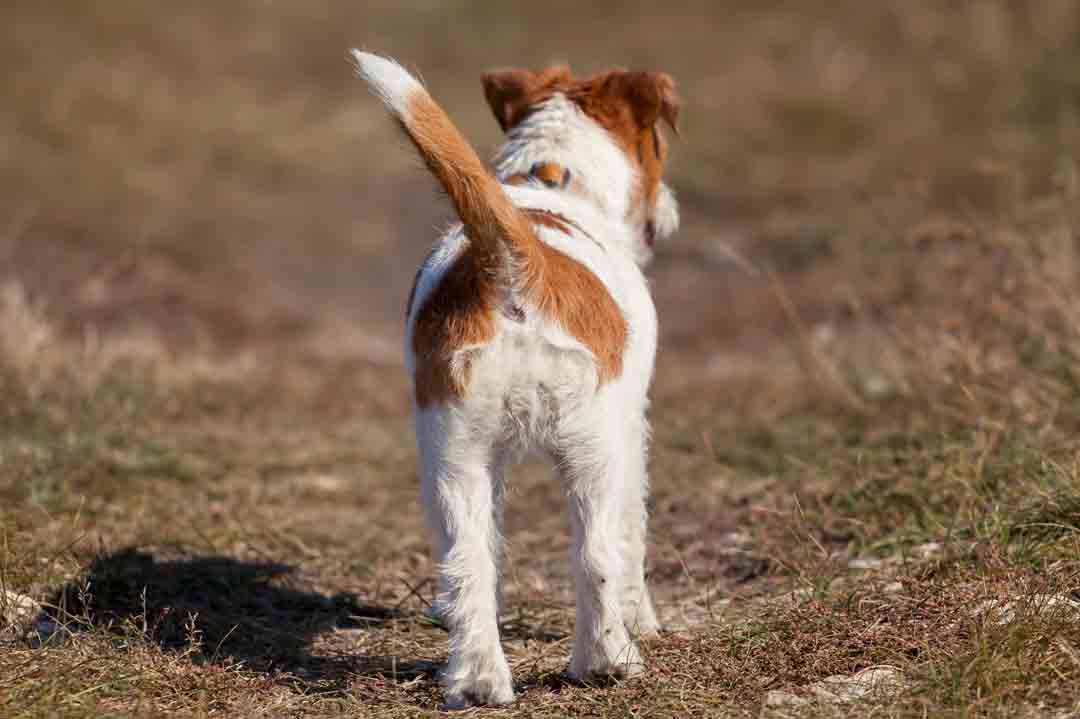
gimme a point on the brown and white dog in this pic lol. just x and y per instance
(530, 326)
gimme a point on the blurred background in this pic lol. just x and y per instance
(211, 177)
(868, 387)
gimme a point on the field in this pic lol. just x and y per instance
(866, 409)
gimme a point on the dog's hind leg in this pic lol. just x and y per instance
(437, 610)
(458, 494)
(637, 607)
(594, 467)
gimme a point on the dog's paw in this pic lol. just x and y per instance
(609, 660)
(640, 620)
(485, 681)
(645, 630)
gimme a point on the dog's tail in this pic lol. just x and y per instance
(496, 228)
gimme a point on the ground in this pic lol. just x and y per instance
(866, 403)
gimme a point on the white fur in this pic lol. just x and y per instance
(391, 82)
(535, 387)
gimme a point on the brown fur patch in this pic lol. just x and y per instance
(576, 299)
(459, 312)
(569, 294)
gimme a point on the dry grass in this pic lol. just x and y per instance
(865, 427)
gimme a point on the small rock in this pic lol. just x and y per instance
(824, 334)
(17, 609)
(328, 483)
(871, 683)
(866, 563)
(925, 551)
(893, 588)
(880, 681)
(877, 386)
(1004, 611)
(735, 539)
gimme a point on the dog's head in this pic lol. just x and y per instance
(603, 130)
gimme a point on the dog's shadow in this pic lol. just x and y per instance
(233, 612)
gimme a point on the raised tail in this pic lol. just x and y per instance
(497, 229)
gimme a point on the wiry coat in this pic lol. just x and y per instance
(530, 326)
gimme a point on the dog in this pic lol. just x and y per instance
(530, 326)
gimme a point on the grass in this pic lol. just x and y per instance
(865, 412)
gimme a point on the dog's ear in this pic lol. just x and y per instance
(512, 92)
(670, 104)
(506, 92)
(651, 96)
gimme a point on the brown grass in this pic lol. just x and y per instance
(866, 404)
